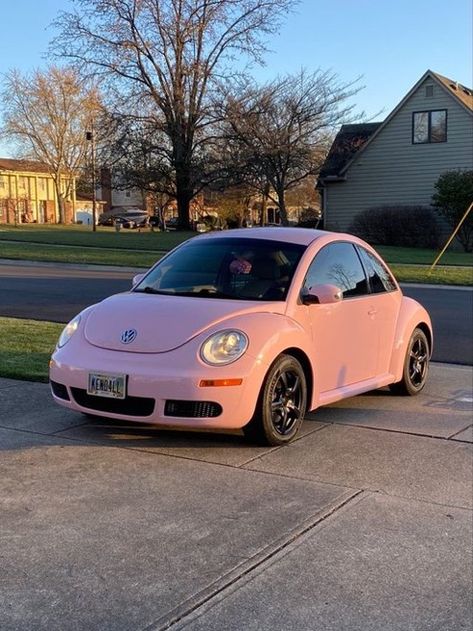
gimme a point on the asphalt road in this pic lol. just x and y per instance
(58, 293)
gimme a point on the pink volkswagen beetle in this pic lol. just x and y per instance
(245, 329)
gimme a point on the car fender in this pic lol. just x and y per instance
(411, 315)
(270, 335)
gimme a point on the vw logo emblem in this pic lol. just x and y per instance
(128, 336)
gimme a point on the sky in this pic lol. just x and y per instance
(389, 44)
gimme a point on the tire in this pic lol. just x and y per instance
(281, 404)
(416, 366)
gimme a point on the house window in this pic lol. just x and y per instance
(428, 127)
(429, 90)
(3, 184)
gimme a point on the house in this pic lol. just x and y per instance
(28, 194)
(398, 161)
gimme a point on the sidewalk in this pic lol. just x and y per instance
(364, 523)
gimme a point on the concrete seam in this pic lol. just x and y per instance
(396, 431)
(459, 432)
(252, 565)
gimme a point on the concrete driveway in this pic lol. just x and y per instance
(363, 523)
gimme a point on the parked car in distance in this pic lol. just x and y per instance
(135, 220)
(245, 329)
(128, 219)
(172, 223)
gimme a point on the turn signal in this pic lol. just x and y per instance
(212, 383)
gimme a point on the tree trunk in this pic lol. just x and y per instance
(282, 207)
(264, 204)
(183, 198)
(59, 200)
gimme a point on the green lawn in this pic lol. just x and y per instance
(83, 236)
(444, 275)
(78, 244)
(26, 348)
(68, 254)
(420, 256)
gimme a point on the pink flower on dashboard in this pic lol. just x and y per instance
(240, 266)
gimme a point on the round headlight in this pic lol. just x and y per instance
(68, 331)
(224, 347)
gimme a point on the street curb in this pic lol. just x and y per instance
(430, 286)
(79, 266)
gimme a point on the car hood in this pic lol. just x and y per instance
(161, 323)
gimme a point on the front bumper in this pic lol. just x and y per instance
(162, 377)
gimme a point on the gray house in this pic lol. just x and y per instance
(399, 160)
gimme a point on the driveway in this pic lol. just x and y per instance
(364, 523)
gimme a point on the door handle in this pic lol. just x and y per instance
(372, 312)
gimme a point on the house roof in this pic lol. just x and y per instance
(29, 166)
(349, 140)
(459, 91)
(354, 147)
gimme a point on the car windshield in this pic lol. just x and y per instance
(232, 268)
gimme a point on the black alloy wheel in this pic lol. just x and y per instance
(281, 405)
(416, 366)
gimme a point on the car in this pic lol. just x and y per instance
(129, 219)
(172, 223)
(247, 329)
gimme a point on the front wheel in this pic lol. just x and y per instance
(416, 366)
(281, 404)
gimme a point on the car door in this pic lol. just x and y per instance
(386, 299)
(344, 334)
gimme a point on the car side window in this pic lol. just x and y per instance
(338, 264)
(379, 277)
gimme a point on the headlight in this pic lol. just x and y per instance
(68, 331)
(224, 347)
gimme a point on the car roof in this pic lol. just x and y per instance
(301, 236)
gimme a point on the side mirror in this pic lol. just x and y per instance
(322, 295)
(137, 279)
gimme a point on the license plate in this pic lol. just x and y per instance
(111, 386)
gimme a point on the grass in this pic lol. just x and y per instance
(26, 348)
(78, 244)
(445, 275)
(420, 256)
(83, 236)
(68, 254)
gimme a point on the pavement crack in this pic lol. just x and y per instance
(396, 431)
(460, 431)
(233, 577)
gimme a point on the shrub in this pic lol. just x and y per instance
(453, 195)
(407, 226)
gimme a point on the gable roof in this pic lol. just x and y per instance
(462, 94)
(349, 140)
(29, 166)
(459, 91)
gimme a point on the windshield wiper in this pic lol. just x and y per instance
(150, 290)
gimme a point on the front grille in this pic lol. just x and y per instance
(59, 390)
(192, 409)
(129, 406)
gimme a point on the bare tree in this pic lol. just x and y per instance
(46, 115)
(167, 54)
(283, 129)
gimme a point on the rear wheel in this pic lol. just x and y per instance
(416, 366)
(281, 404)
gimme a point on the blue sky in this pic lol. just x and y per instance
(390, 43)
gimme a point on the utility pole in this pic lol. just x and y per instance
(90, 135)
